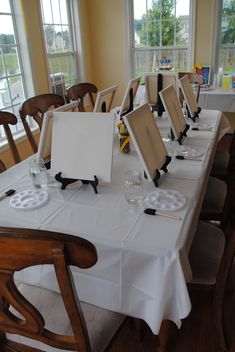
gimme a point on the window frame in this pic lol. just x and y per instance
(216, 46)
(129, 37)
(25, 68)
(74, 23)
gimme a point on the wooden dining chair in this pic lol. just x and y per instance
(33, 318)
(35, 107)
(221, 164)
(79, 92)
(211, 260)
(7, 119)
(2, 167)
(217, 203)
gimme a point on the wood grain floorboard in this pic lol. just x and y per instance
(196, 334)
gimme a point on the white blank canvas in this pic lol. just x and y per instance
(172, 106)
(82, 145)
(189, 95)
(44, 146)
(146, 139)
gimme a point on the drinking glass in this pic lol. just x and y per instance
(38, 173)
(133, 188)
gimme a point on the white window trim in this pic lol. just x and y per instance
(78, 48)
(217, 16)
(24, 49)
(128, 36)
(78, 35)
(192, 32)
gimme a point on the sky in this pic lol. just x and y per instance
(6, 26)
(182, 9)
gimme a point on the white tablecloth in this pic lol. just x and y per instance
(142, 265)
(217, 99)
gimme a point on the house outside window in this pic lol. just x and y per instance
(161, 35)
(226, 36)
(58, 26)
(12, 79)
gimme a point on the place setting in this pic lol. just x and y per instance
(163, 202)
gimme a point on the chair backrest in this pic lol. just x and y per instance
(36, 107)
(2, 167)
(79, 92)
(6, 119)
(154, 83)
(22, 248)
(104, 99)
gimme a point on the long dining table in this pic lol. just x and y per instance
(143, 268)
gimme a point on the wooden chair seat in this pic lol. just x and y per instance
(49, 321)
(101, 324)
(211, 260)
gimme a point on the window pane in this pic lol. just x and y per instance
(168, 9)
(182, 8)
(5, 6)
(16, 89)
(228, 7)
(46, 12)
(227, 59)
(228, 31)
(2, 69)
(54, 65)
(12, 61)
(168, 32)
(60, 44)
(63, 9)
(59, 41)
(50, 38)
(159, 24)
(6, 30)
(71, 71)
(182, 32)
(11, 83)
(56, 11)
(66, 35)
(149, 60)
(4, 94)
(227, 37)
(139, 8)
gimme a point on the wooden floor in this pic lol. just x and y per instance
(195, 335)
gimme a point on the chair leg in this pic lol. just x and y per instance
(167, 335)
(219, 292)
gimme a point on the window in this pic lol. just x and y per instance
(12, 79)
(226, 36)
(60, 44)
(160, 35)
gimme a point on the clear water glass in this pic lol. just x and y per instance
(133, 188)
(38, 173)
